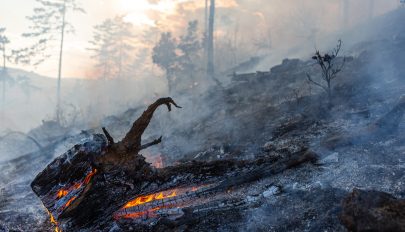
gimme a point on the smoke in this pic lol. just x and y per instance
(271, 30)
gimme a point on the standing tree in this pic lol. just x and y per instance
(164, 55)
(112, 46)
(49, 21)
(122, 45)
(210, 42)
(329, 68)
(4, 76)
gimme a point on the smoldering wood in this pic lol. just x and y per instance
(119, 174)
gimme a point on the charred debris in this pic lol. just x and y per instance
(101, 183)
(273, 155)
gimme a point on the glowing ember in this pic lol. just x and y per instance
(63, 192)
(152, 197)
(69, 202)
(129, 210)
(54, 222)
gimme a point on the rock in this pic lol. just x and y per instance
(373, 211)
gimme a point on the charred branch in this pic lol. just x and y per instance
(154, 142)
(133, 138)
(110, 139)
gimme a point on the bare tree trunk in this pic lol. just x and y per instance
(58, 92)
(4, 74)
(206, 32)
(206, 20)
(210, 44)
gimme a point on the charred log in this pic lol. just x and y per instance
(89, 185)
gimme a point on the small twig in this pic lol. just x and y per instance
(316, 83)
(110, 139)
(154, 142)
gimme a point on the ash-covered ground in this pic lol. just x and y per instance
(270, 114)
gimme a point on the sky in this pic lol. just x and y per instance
(248, 20)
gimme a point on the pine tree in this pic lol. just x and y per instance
(49, 24)
(190, 48)
(112, 47)
(210, 42)
(164, 55)
(3, 74)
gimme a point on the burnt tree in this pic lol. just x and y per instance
(329, 69)
(124, 154)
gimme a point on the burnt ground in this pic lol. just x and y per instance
(260, 115)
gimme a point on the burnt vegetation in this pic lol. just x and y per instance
(265, 150)
(331, 65)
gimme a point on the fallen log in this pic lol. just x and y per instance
(92, 183)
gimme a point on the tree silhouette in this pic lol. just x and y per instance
(164, 55)
(329, 69)
(112, 46)
(49, 24)
(190, 49)
(3, 74)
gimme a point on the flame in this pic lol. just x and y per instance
(150, 212)
(54, 222)
(148, 198)
(69, 202)
(63, 192)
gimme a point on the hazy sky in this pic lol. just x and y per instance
(252, 17)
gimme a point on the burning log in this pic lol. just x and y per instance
(102, 181)
(385, 126)
(86, 169)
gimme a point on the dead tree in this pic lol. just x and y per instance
(124, 154)
(330, 69)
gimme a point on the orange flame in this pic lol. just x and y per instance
(54, 222)
(148, 198)
(151, 212)
(63, 192)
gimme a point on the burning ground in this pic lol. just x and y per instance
(262, 154)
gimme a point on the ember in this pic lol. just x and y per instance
(151, 204)
(71, 191)
(54, 222)
(63, 192)
(145, 199)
